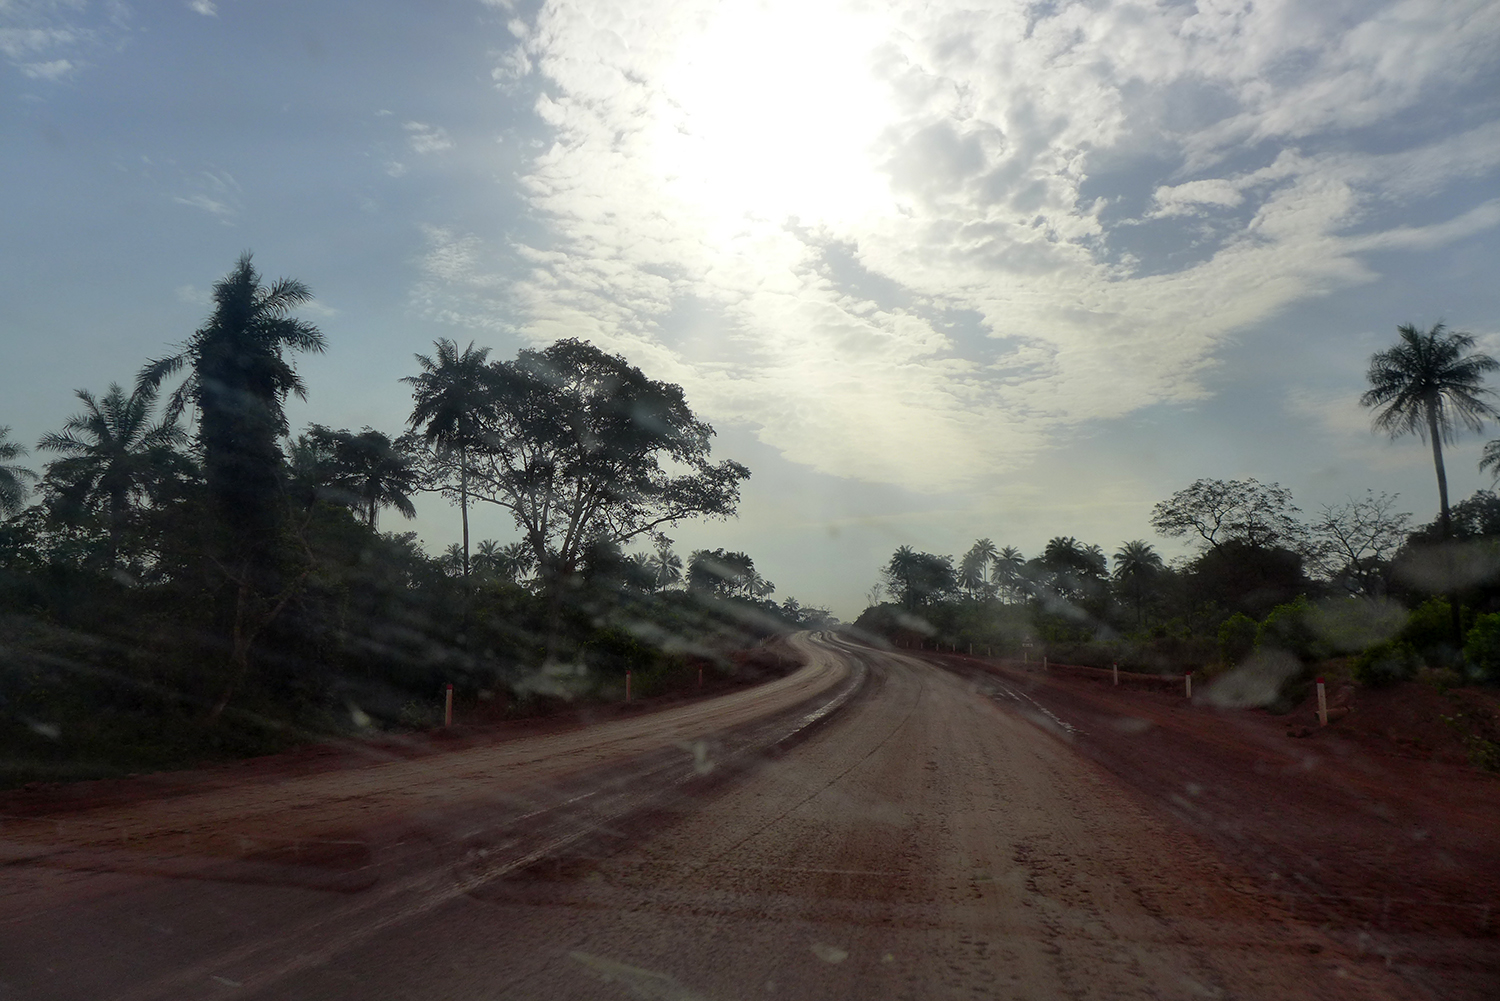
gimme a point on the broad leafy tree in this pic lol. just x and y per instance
(1220, 511)
(453, 403)
(1431, 384)
(583, 449)
(916, 579)
(15, 481)
(113, 459)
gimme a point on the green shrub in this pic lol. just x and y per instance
(1482, 647)
(1430, 629)
(1237, 638)
(1386, 663)
(1289, 627)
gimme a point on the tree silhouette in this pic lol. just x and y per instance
(113, 457)
(1428, 385)
(917, 579)
(1136, 566)
(374, 471)
(1221, 511)
(974, 570)
(1009, 570)
(13, 479)
(452, 401)
(584, 450)
(237, 380)
(665, 565)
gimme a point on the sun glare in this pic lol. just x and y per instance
(772, 112)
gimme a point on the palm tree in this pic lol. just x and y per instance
(451, 399)
(237, 380)
(1136, 563)
(378, 472)
(666, 566)
(974, 568)
(13, 479)
(113, 456)
(1426, 385)
(1009, 570)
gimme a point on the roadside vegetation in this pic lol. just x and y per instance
(183, 576)
(1267, 590)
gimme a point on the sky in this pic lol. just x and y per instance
(934, 272)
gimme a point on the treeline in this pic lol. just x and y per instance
(1356, 580)
(1264, 587)
(194, 579)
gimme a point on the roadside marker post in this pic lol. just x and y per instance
(1322, 704)
(1188, 681)
(1115, 669)
(700, 675)
(448, 705)
(627, 686)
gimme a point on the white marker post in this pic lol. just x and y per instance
(627, 686)
(1188, 681)
(1116, 671)
(448, 706)
(1322, 704)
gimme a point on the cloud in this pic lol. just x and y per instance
(55, 69)
(218, 194)
(205, 7)
(425, 139)
(49, 40)
(1106, 193)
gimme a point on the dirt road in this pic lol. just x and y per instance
(928, 841)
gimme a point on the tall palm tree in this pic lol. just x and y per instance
(974, 568)
(14, 480)
(1136, 563)
(113, 456)
(1427, 385)
(237, 380)
(451, 399)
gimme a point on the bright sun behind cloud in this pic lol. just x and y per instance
(772, 112)
(916, 243)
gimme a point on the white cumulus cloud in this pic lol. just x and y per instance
(914, 243)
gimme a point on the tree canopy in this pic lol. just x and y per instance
(582, 448)
(1220, 511)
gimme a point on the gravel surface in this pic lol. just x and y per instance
(930, 841)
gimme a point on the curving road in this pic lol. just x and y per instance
(925, 841)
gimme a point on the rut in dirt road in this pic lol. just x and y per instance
(927, 844)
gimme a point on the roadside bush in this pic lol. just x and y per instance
(1482, 647)
(1289, 627)
(1386, 663)
(1429, 630)
(1237, 638)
